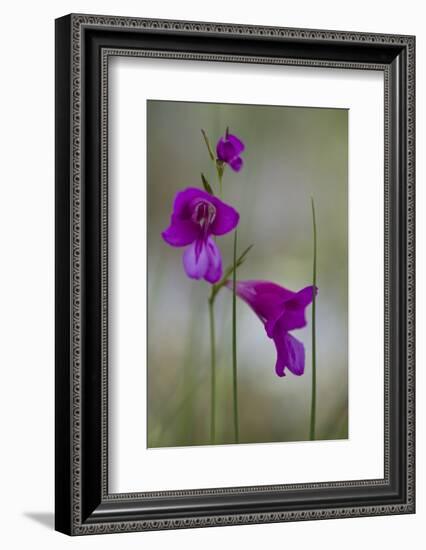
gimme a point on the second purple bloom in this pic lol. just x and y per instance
(281, 310)
(229, 149)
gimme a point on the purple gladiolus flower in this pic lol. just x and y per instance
(281, 310)
(197, 216)
(228, 150)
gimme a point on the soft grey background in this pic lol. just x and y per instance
(292, 153)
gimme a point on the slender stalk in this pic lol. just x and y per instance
(212, 373)
(187, 420)
(314, 283)
(174, 415)
(234, 341)
(215, 289)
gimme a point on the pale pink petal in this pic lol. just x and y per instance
(214, 271)
(196, 260)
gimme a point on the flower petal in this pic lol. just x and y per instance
(196, 260)
(290, 354)
(293, 316)
(228, 148)
(265, 298)
(237, 144)
(214, 270)
(305, 296)
(185, 199)
(226, 219)
(180, 232)
(236, 164)
(225, 150)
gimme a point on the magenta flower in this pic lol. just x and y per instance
(228, 150)
(197, 216)
(281, 310)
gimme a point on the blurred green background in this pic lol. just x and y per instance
(292, 153)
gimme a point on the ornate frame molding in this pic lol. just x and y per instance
(73, 48)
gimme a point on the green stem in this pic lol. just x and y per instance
(234, 341)
(212, 373)
(215, 289)
(314, 283)
(228, 272)
(220, 184)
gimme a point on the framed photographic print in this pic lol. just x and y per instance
(234, 274)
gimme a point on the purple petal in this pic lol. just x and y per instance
(290, 354)
(196, 260)
(292, 315)
(228, 148)
(214, 270)
(225, 150)
(226, 219)
(185, 198)
(236, 164)
(180, 232)
(305, 296)
(265, 298)
(294, 310)
(237, 144)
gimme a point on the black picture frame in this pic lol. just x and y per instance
(83, 45)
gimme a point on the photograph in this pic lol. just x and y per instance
(247, 258)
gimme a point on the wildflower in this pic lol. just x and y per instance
(281, 310)
(196, 217)
(228, 150)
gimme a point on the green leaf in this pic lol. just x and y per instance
(209, 148)
(229, 271)
(243, 255)
(206, 184)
